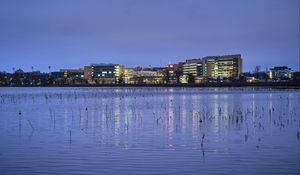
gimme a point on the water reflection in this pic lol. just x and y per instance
(192, 124)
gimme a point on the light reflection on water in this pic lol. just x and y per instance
(149, 131)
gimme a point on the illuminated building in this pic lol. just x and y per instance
(227, 66)
(88, 72)
(72, 73)
(104, 73)
(141, 76)
(174, 71)
(128, 74)
(193, 67)
(197, 70)
(192, 71)
(183, 79)
(280, 73)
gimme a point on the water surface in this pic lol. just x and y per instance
(149, 131)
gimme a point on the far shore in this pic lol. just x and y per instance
(283, 85)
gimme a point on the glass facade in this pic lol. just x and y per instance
(228, 66)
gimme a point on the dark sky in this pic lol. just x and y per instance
(74, 33)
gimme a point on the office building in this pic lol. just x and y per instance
(104, 73)
(141, 76)
(212, 67)
(227, 66)
(280, 73)
(72, 73)
(174, 71)
(193, 67)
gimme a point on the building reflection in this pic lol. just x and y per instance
(195, 117)
(128, 115)
(116, 114)
(183, 111)
(170, 116)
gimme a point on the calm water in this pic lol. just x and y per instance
(149, 131)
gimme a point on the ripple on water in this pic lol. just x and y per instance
(149, 131)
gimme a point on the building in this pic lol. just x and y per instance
(192, 70)
(87, 71)
(280, 73)
(4, 78)
(260, 76)
(141, 76)
(212, 67)
(72, 73)
(104, 73)
(227, 66)
(173, 73)
(128, 74)
(296, 76)
(193, 67)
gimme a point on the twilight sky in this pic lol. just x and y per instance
(74, 33)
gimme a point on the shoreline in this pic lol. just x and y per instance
(277, 85)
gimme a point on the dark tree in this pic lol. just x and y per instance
(166, 76)
(178, 73)
(191, 79)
